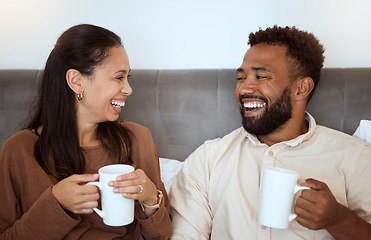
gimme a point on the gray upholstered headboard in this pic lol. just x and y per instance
(183, 108)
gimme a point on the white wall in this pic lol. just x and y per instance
(171, 34)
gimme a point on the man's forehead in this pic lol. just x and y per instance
(262, 56)
(264, 50)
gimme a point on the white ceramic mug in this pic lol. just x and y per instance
(278, 190)
(116, 210)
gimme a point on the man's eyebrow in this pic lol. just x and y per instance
(255, 69)
(240, 70)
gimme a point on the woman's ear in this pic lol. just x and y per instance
(73, 78)
(304, 87)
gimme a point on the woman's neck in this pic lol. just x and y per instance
(88, 135)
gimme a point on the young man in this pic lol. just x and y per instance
(216, 194)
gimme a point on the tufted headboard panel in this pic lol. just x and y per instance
(185, 107)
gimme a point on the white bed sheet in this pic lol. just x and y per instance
(169, 170)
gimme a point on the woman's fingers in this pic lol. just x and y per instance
(74, 195)
(85, 207)
(136, 185)
(129, 189)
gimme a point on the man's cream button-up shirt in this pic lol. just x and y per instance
(216, 193)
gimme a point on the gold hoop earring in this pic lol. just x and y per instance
(79, 96)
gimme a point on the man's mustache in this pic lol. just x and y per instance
(252, 96)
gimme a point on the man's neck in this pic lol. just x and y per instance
(290, 130)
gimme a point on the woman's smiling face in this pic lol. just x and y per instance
(106, 90)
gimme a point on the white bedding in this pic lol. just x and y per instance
(364, 131)
(169, 170)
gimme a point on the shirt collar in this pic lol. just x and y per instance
(293, 142)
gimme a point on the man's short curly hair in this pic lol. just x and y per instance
(304, 51)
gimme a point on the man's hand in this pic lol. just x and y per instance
(316, 208)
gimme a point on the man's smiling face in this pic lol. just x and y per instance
(264, 89)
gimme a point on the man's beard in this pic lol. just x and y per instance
(273, 117)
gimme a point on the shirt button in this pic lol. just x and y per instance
(270, 153)
(264, 227)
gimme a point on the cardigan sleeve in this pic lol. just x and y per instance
(28, 209)
(145, 157)
(44, 220)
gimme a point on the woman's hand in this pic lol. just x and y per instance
(75, 196)
(128, 186)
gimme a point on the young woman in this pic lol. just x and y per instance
(74, 131)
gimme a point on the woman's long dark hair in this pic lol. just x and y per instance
(82, 47)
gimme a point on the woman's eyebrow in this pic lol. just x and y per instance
(123, 71)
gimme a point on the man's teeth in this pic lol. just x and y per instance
(118, 104)
(253, 105)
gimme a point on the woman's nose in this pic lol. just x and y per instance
(126, 89)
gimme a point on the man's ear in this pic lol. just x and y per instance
(73, 78)
(304, 87)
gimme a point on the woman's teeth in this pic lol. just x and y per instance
(118, 104)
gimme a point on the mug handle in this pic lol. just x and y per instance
(296, 189)
(98, 211)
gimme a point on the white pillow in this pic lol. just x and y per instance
(169, 170)
(364, 131)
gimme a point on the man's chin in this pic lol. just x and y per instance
(252, 120)
(256, 126)
(251, 125)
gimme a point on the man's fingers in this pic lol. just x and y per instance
(306, 222)
(304, 204)
(313, 184)
(317, 193)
